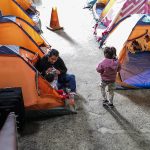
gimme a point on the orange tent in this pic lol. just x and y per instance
(19, 72)
(18, 36)
(25, 4)
(31, 31)
(135, 64)
(11, 7)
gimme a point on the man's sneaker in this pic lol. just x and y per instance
(105, 102)
(110, 105)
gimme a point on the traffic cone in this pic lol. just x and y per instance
(54, 22)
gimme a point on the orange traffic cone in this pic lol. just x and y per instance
(54, 23)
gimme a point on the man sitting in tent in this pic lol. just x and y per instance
(52, 60)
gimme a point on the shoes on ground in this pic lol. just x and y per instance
(110, 105)
(105, 102)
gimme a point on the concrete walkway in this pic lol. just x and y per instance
(126, 127)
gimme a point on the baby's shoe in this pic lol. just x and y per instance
(105, 102)
(110, 105)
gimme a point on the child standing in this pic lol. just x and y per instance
(108, 69)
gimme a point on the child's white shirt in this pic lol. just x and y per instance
(54, 84)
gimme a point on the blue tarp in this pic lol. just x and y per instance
(136, 70)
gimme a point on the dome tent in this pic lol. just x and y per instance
(135, 65)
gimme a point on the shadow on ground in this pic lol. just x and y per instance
(31, 127)
(139, 97)
(141, 140)
(73, 131)
(64, 35)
